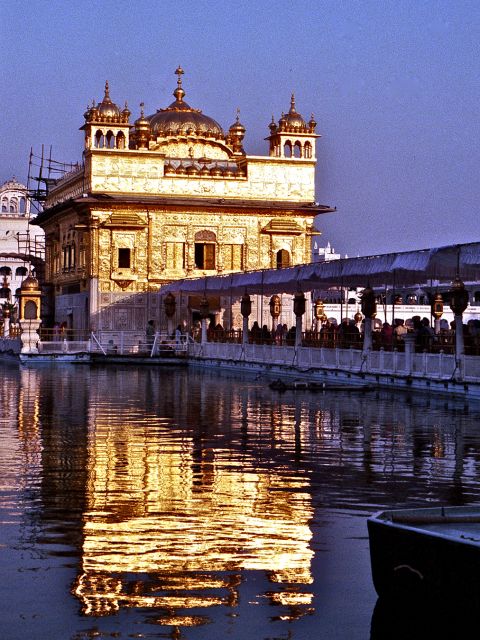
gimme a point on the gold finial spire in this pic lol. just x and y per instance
(107, 94)
(179, 71)
(142, 113)
(179, 92)
(292, 104)
(238, 114)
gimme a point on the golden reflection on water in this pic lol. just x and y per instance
(171, 525)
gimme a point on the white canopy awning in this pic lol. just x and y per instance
(411, 267)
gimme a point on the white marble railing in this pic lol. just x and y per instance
(64, 346)
(438, 366)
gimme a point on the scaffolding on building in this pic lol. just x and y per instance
(43, 174)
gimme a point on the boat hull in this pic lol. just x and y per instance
(426, 561)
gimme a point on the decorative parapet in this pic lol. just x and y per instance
(257, 178)
(71, 185)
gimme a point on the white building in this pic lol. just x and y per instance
(324, 254)
(20, 248)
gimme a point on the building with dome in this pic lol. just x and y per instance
(21, 245)
(173, 195)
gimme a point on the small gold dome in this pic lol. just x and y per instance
(30, 284)
(292, 120)
(107, 108)
(237, 127)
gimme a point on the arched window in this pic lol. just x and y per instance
(4, 205)
(205, 244)
(110, 140)
(99, 139)
(307, 150)
(287, 149)
(21, 272)
(121, 140)
(297, 150)
(476, 296)
(13, 205)
(5, 271)
(23, 205)
(283, 259)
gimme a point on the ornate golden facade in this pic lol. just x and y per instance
(172, 196)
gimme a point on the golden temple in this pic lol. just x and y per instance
(172, 196)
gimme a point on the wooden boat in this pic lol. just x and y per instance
(432, 554)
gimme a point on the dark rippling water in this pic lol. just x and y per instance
(172, 503)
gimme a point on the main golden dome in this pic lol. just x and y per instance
(180, 118)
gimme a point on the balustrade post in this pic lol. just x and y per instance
(409, 341)
(204, 331)
(367, 335)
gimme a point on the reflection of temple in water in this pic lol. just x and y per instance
(172, 488)
(171, 524)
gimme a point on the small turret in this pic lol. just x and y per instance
(236, 134)
(293, 137)
(106, 127)
(142, 130)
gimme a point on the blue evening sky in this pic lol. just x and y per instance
(394, 86)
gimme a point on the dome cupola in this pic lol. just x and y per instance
(179, 118)
(30, 283)
(107, 108)
(293, 121)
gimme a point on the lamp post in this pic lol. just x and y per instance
(319, 312)
(369, 310)
(275, 305)
(458, 304)
(437, 311)
(298, 310)
(245, 310)
(29, 314)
